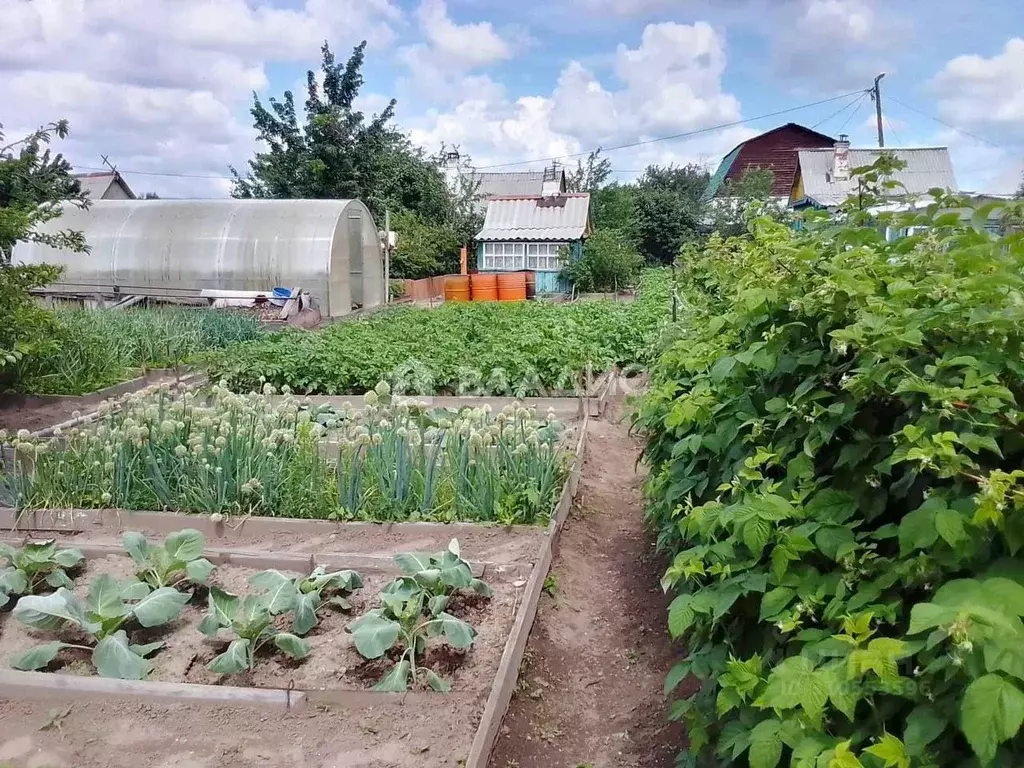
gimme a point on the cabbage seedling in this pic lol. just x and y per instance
(101, 616)
(439, 575)
(400, 621)
(178, 560)
(304, 596)
(251, 621)
(38, 564)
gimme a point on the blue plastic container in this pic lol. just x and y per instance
(280, 296)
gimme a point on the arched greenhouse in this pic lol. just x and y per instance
(176, 248)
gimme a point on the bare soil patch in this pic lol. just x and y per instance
(590, 692)
(35, 412)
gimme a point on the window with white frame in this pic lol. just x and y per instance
(512, 256)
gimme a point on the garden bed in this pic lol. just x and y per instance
(322, 706)
(40, 413)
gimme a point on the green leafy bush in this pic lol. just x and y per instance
(609, 263)
(92, 349)
(101, 618)
(486, 348)
(251, 622)
(304, 595)
(178, 560)
(835, 446)
(35, 566)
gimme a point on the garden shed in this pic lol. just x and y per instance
(176, 248)
(529, 232)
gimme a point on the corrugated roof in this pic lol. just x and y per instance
(509, 184)
(97, 184)
(560, 218)
(927, 168)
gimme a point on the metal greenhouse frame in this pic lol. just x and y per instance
(177, 248)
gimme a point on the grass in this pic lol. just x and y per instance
(98, 348)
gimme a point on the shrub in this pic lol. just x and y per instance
(835, 448)
(609, 263)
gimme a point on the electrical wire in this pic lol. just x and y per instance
(675, 136)
(888, 124)
(948, 125)
(853, 114)
(842, 109)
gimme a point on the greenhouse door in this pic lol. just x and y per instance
(355, 258)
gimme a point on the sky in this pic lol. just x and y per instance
(163, 88)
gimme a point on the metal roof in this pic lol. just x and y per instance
(927, 168)
(516, 184)
(96, 185)
(560, 218)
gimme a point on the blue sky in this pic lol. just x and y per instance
(163, 87)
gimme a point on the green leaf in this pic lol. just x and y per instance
(135, 590)
(305, 612)
(160, 606)
(112, 657)
(991, 712)
(280, 590)
(890, 751)
(950, 526)
(199, 570)
(38, 552)
(68, 558)
(223, 607)
(374, 635)
(413, 562)
(185, 545)
(1005, 654)
(924, 616)
(835, 541)
(756, 533)
(481, 588)
(38, 657)
(435, 682)
(147, 649)
(437, 604)
(13, 581)
(291, 645)
(676, 675)
(924, 725)
(57, 579)
(775, 405)
(136, 546)
(104, 597)
(917, 530)
(234, 660)
(50, 612)
(765, 745)
(397, 680)
(459, 633)
(831, 506)
(844, 758)
(795, 682)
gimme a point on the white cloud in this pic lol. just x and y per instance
(460, 46)
(987, 93)
(985, 97)
(163, 85)
(670, 83)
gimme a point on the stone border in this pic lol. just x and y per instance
(14, 684)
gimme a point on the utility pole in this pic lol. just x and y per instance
(876, 94)
(387, 256)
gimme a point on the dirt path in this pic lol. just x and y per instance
(590, 692)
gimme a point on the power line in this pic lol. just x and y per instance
(673, 137)
(853, 114)
(842, 109)
(892, 130)
(948, 125)
(631, 145)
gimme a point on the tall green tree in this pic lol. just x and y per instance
(668, 210)
(34, 185)
(590, 175)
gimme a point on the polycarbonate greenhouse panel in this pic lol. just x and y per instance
(179, 247)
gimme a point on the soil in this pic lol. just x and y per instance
(56, 733)
(590, 691)
(35, 412)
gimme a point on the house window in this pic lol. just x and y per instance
(514, 256)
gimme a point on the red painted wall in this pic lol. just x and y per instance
(777, 151)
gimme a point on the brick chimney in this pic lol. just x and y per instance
(841, 159)
(552, 185)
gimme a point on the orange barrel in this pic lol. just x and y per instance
(484, 287)
(531, 283)
(512, 286)
(456, 288)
